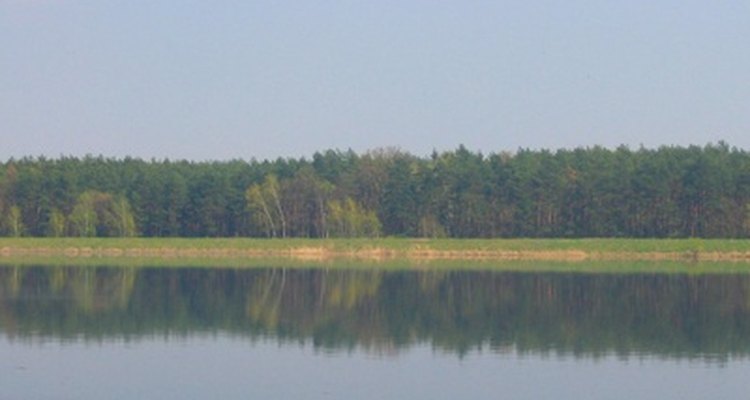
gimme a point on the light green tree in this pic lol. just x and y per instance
(13, 222)
(349, 219)
(56, 225)
(256, 203)
(125, 222)
(429, 226)
(265, 199)
(271, 190)
(101, 214)
(83, 219)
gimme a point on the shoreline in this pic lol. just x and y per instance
(377, 250)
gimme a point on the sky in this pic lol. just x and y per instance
(218, 80)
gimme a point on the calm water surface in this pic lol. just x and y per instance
(92, 333)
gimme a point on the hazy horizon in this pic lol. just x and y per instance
(241, 80)
(309, 156)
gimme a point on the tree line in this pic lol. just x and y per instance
(585, 192)
(670, 315)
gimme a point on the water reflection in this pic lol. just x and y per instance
(653, 315)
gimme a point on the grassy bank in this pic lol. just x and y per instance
(377, 250)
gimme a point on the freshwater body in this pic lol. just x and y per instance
(316, 333)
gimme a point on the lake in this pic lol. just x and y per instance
(316, 333)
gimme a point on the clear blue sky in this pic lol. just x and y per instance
(242, 79)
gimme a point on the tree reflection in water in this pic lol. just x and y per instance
(673, 315)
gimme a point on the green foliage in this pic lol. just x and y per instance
(100, 214)
(263, 201)
(124, 222)
(56, 225)
(84, 219)
(669, 192)
(12, 222)
(348, 219)
(430, 227)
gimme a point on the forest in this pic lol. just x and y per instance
(668, 192)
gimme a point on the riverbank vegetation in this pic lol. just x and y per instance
(669, 192)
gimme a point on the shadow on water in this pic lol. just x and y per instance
(703, 316)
